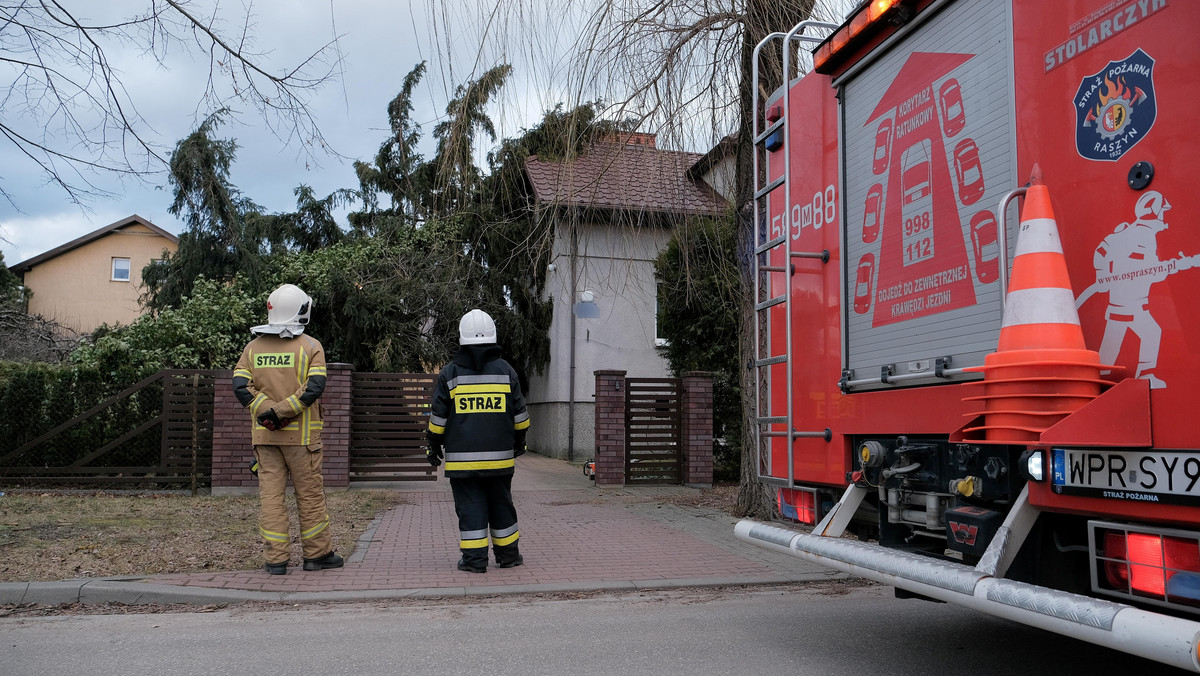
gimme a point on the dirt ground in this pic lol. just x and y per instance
(47, 536)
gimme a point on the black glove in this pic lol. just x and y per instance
(519, 450)
(271, 421)
(519, 443)
(434, 454)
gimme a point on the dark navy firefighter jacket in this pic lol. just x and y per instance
(478, 414)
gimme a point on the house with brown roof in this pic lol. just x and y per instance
(611, 211)
(97, 278)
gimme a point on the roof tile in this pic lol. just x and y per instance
(625, 177)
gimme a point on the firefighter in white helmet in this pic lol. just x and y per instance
(279, 377)
(477, 424)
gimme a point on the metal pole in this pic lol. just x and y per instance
(571, 371)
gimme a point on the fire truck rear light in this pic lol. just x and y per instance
(799, 504)
(1116, 571)
(1146, 563)
(1185, 587)
(1183, 568)
(1142, 564)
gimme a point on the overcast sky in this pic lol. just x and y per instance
(381, 41)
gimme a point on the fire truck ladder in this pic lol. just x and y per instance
(764, 244)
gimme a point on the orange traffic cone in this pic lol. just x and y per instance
(1041, 371)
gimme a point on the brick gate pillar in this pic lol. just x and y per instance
(335, 437)
(610, 428)
(232, 451)
(697, 410)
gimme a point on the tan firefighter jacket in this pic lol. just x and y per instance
(286, 375)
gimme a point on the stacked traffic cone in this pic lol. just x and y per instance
(1041, 371)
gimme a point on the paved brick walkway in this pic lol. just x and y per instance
(574, 535)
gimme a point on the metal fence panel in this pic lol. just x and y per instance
(388, 419)
(653, 423)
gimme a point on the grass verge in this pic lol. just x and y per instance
(47, 536)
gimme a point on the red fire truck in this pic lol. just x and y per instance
(978, 306)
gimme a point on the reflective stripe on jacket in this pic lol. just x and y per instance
(287, 375)
(477, 410)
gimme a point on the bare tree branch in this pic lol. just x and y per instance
(25, 337)
(65, 105)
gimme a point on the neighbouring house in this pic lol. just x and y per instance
(95, 279)
(611, 211)
(718, 168)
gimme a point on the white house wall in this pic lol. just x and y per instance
(615, 263)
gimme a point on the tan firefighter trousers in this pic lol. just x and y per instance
(274, 465)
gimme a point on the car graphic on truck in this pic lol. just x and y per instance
(883, 141)
(954, 116)
(968, 171)
(916, 186)
(985, 246)
(871, 214)
(862, 283)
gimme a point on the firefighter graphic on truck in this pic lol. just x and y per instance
(1127, 265)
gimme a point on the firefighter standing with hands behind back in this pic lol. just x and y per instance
(279, 377)
(477, 423)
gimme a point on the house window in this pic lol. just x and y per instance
(120, 269)
(659, 340)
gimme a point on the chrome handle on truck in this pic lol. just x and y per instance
(1002, 233)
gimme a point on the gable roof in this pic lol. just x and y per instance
(726, 147)
(624, 177)
(26, 265)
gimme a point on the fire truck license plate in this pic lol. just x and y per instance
(1142, 476)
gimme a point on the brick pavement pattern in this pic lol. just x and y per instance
(573, 533)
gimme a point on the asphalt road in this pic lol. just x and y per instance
(824, 628)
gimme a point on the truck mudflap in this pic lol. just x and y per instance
(1155, 636)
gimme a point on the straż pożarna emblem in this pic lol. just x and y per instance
(1115, 107)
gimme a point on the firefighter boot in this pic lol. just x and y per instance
(330, 560)
(276, 568)
(1145, 371)
(468, 568)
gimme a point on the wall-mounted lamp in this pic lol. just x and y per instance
(586, 308)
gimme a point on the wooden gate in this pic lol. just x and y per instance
(389, 413)
(653, 447)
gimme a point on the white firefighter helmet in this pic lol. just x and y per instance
(476, 328)
(288, 311)
(1151, 206)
